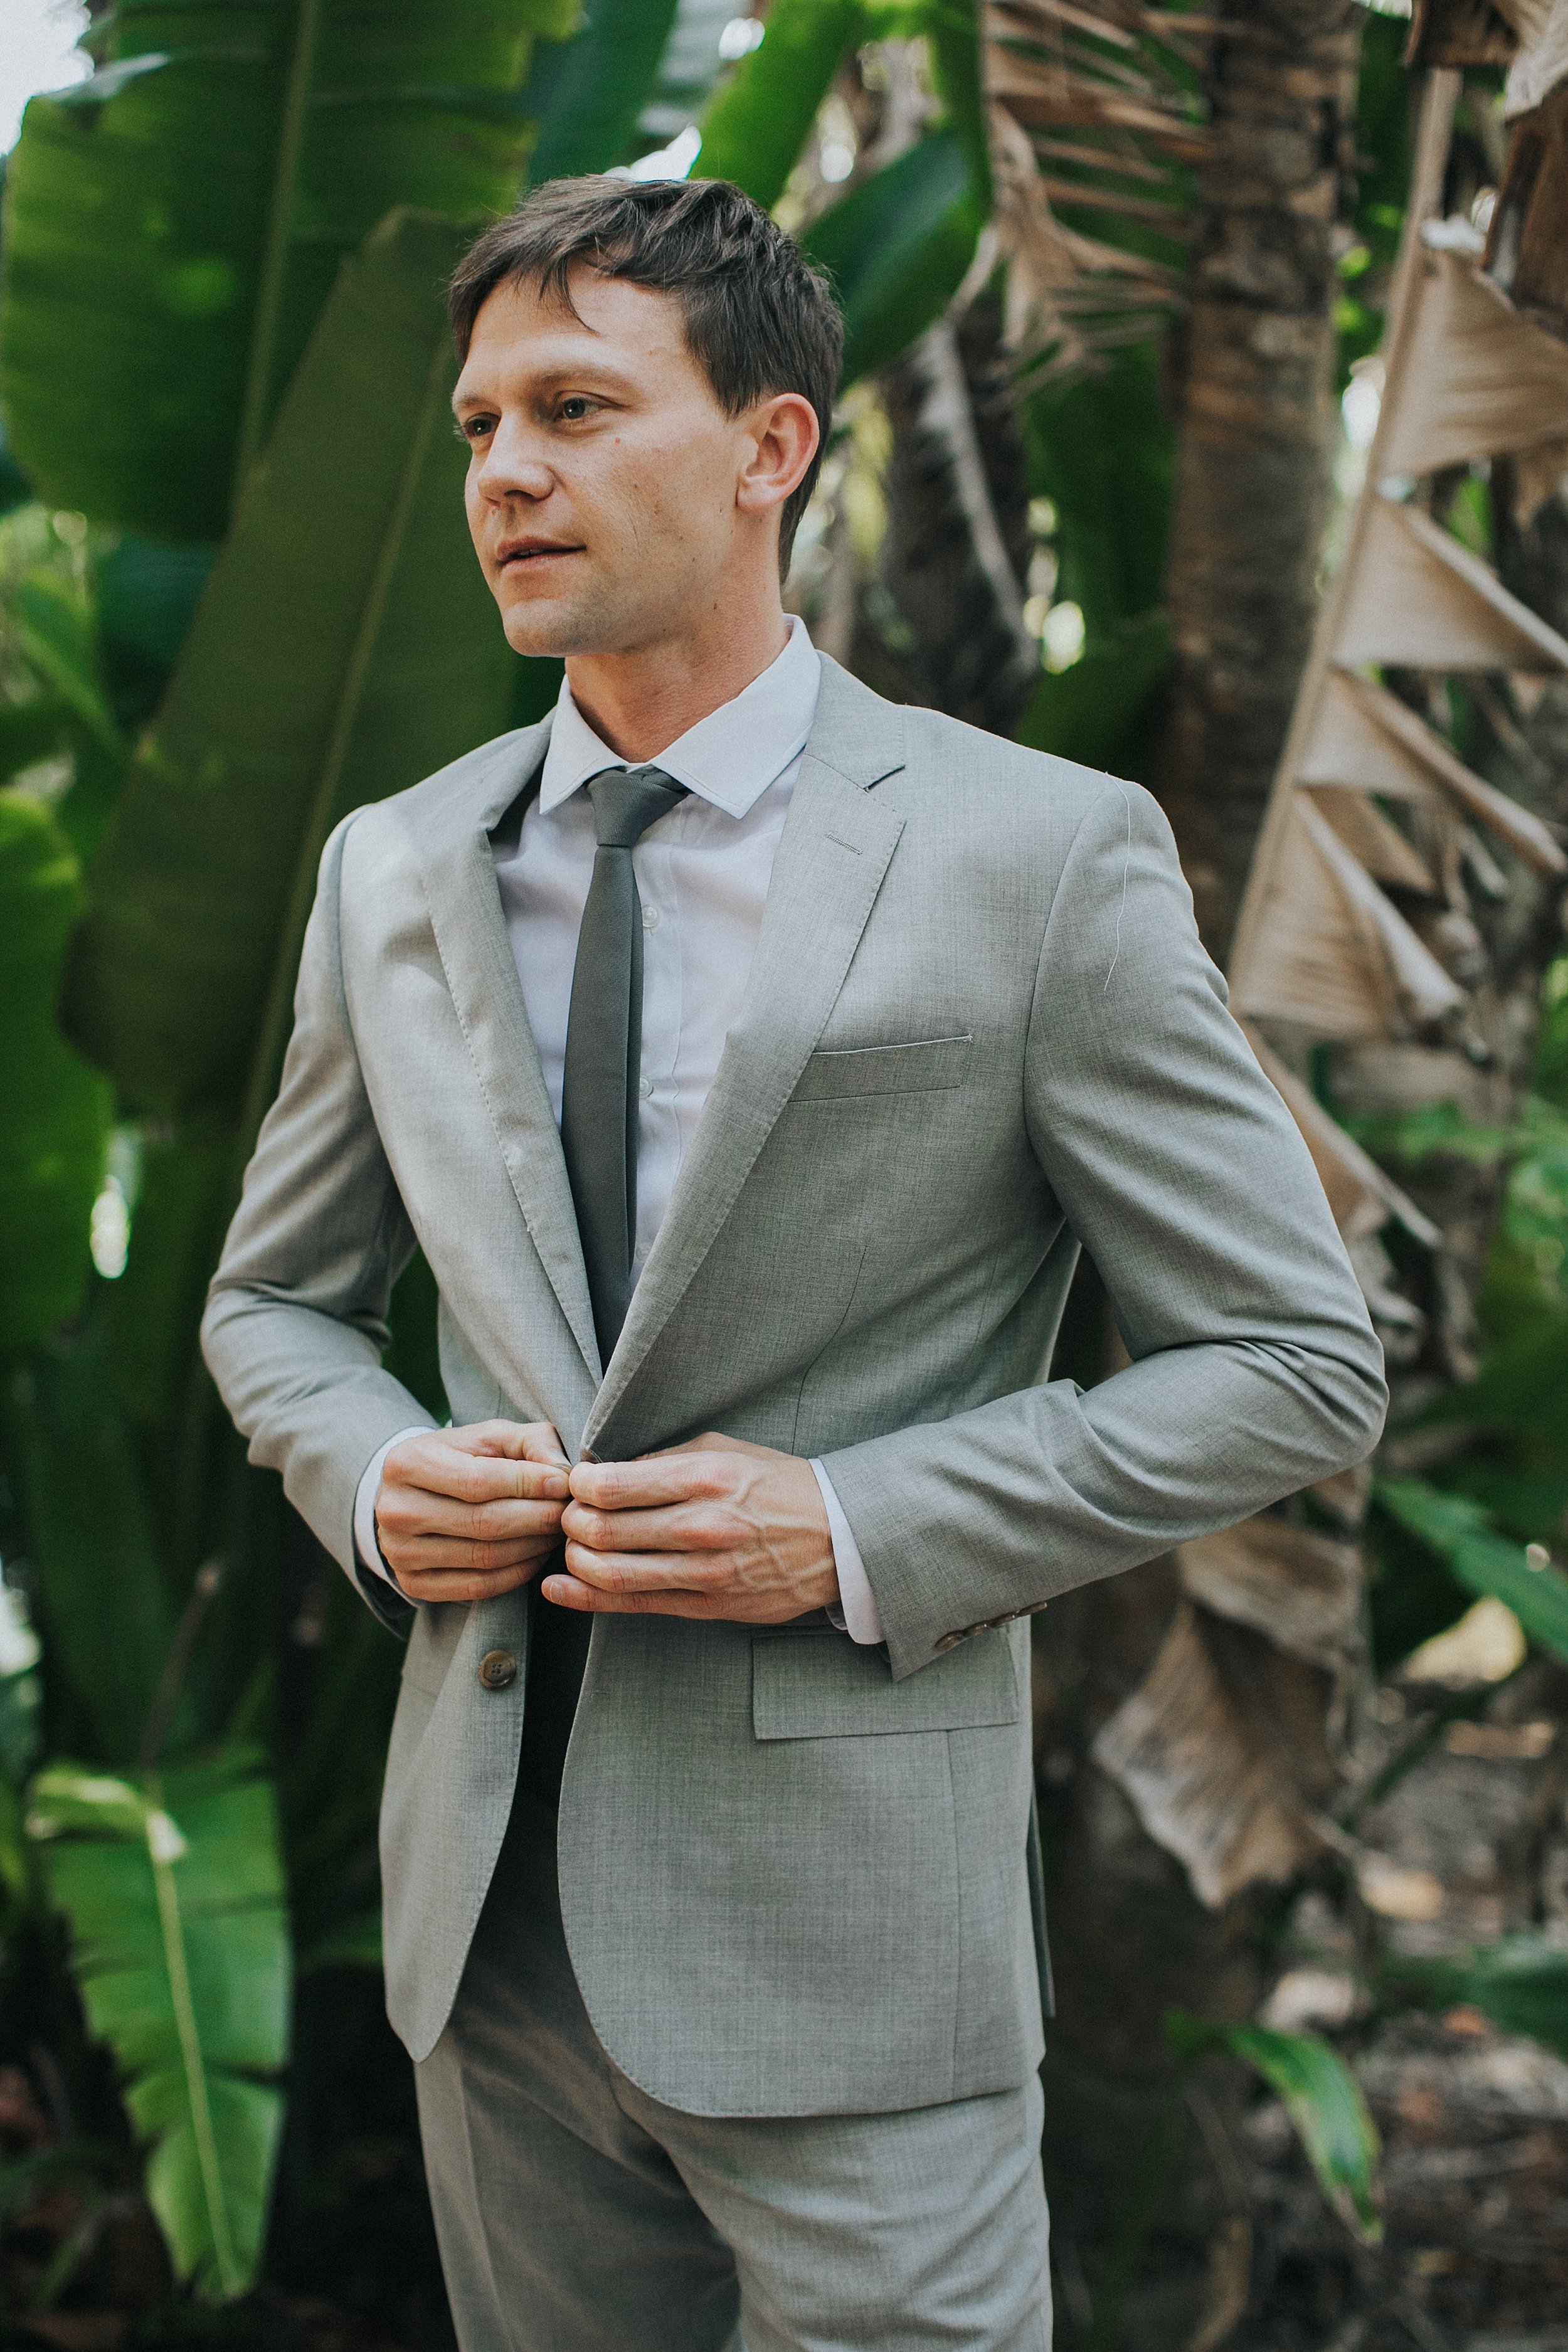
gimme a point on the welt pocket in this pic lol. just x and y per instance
(824, 1687)
(922, 1067)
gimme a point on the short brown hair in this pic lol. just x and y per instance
(759, 318)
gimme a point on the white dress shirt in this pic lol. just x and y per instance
(703, 874)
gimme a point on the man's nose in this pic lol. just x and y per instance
(514, 466)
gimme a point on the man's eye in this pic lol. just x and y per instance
(574, 408)
(474, 428)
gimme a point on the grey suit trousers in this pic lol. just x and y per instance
(576, 2214)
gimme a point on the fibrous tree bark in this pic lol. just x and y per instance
(1253, 476)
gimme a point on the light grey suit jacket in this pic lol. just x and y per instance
(979, 1030)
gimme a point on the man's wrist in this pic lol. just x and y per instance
(856, 1612)
(367, 1541)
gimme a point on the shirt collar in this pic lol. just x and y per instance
(729, 758)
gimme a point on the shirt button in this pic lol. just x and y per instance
(650, 919)
(644, 1088)
(497, 1669)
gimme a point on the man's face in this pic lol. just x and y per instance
(602, 473)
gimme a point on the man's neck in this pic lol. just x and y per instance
(641, 702)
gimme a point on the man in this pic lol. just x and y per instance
(750, 1059)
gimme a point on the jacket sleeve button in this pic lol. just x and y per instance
(497, 1668)
(947, 1642)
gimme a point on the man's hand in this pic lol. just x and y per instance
(464, 1513)
(718, 1528)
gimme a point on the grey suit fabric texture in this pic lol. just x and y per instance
(980, 1030)
(576, 2214)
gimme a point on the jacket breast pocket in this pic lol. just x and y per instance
(823, 1686)
(923, 1066)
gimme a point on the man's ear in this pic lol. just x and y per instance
(785, 432)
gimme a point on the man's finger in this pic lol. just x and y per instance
(434, 1466)
(696, 1527)
(658, 1479)
(657, 1572)
(519, 1440)
(418, 1552)
(664, 1600)
(413, 1511)
(427, 1584)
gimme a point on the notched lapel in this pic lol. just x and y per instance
(837, 845)
(451, 840)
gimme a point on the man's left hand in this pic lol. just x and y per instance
(718, 1528)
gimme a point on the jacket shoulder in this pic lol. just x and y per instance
(994, 778)
(491, 772)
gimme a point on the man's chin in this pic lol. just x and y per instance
(550, 627)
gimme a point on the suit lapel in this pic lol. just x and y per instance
(451, 841)
(836, 848)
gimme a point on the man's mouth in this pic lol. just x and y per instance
(514, 554)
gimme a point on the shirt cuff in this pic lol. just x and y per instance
(857, 1613)
(365, 1544)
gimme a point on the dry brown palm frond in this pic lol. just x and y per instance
(1093, 117)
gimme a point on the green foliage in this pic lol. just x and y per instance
(1321, 2097)
(327, 665)
(106, 1611)
(174, 230)
(54, 1112)
(1459, 1531)
(755, 129)
(1384, 130)
(173, 1891)
(897, 248)
(587, 92)
(1522, 1984)
(1093, 711)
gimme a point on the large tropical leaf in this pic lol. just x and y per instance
(755, 129)
(897, 248)
(586, 93)
(1460, 1531)
(1522, 1984)
(174, 1890)
(174, 223)
(105, 1608)
(345, 646)
(54, 1112)
(1322, 2097)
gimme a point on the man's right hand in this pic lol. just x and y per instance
(464, 1513)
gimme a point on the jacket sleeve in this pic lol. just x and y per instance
(1254, 1370)
(296, 1317)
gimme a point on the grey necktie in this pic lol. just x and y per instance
(599, 1106)
(599, 1097)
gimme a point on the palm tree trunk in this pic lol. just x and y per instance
(1253, 469)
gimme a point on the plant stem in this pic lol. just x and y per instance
(253, 416)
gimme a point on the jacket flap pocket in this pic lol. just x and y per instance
(918, 1067)
(823, 1686)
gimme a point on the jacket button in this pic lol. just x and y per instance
(948, 1641)
(497, 1668)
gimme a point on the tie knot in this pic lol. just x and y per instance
(627, 801)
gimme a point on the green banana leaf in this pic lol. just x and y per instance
(56, 636)
(54, 1111)
(897, 248)
(1322, 2097)
(174, 225)
(586, 93)
(1461, 1533)
(1522, 1984)
(345, 646)
(1103, 450)
(755, 129)
(174, 1892)
(106, 1613)
(1093, 711)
